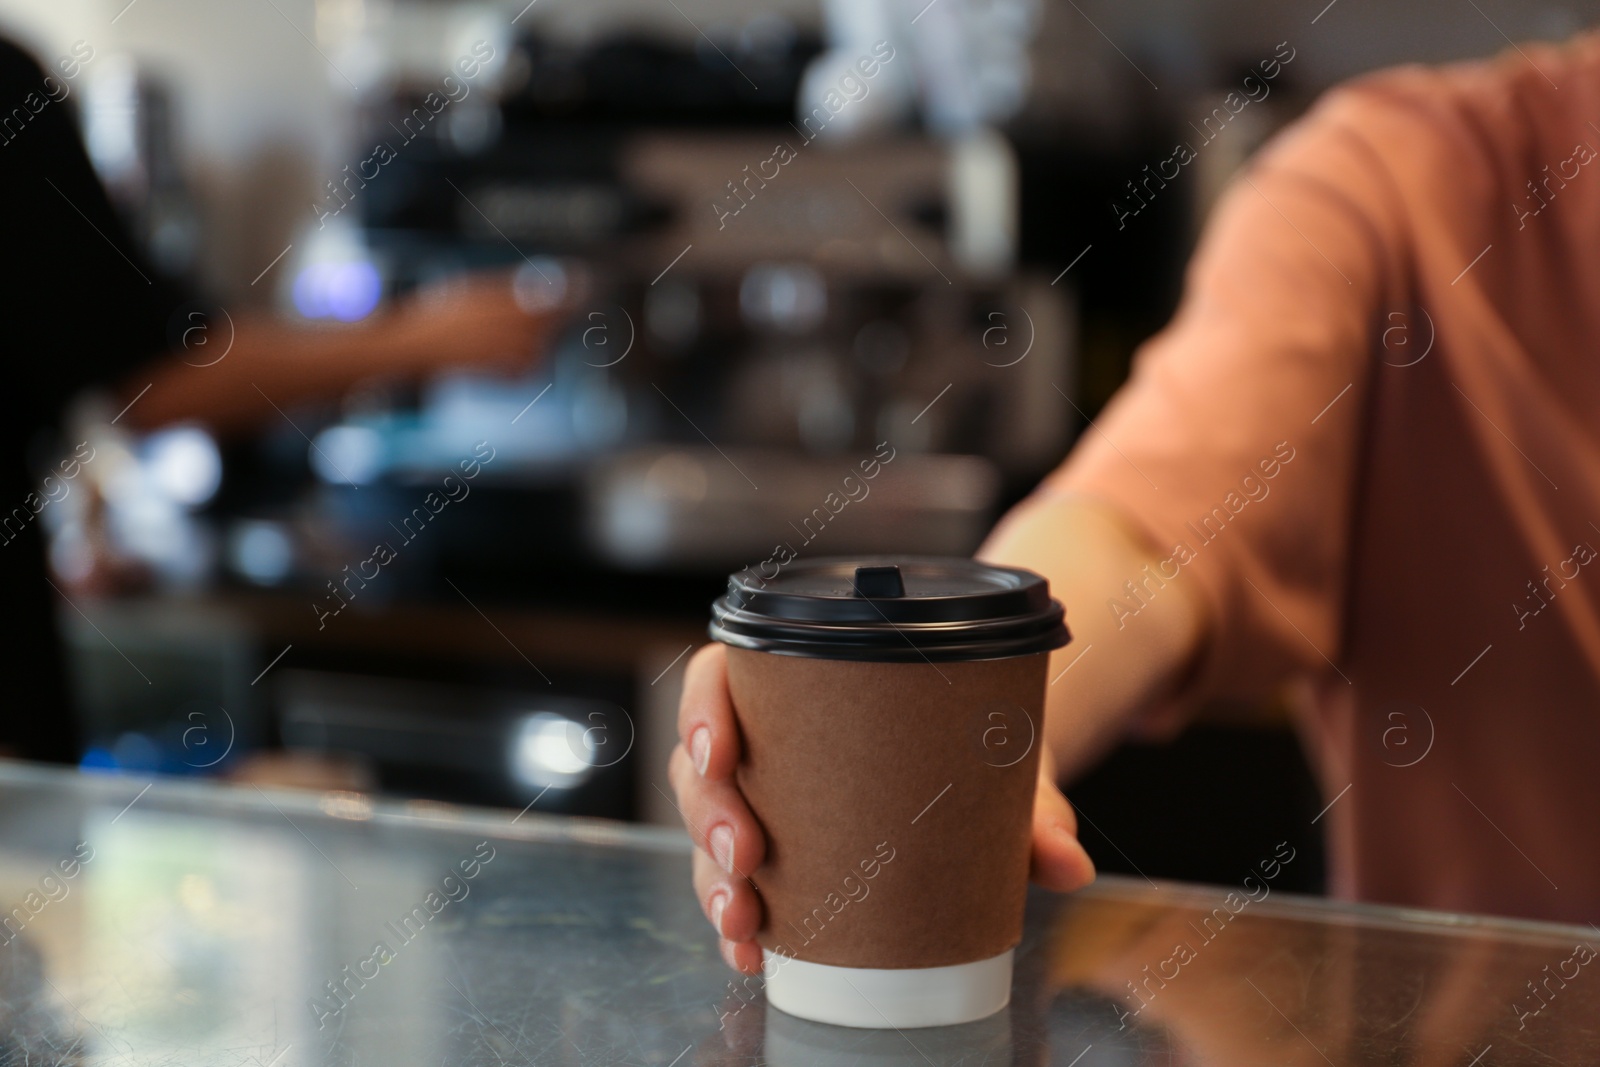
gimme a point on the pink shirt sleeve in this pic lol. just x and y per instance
(1236, 443)
(1419, 523)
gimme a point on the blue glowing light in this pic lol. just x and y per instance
(346, 290)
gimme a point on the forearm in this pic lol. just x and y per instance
(252, 363)
(267, 360)
(1119, 665)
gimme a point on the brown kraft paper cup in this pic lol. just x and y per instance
(896, 800)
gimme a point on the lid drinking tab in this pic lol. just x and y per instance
(879, 582)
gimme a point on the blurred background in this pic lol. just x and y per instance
(785, 261)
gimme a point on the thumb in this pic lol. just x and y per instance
(1059, 860)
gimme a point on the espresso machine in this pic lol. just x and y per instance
(774, 291)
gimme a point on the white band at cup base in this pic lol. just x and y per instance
(879, 998)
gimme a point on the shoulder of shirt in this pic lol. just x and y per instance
(1416, 122)
(1487, 98)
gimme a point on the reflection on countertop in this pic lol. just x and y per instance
(182, 923)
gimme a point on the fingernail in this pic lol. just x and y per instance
(719, 901)
(727, 954)
(721, 839)
(700, 749)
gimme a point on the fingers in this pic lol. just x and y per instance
(718, 819)
(701, 769)
(729, 901)
(1059, 861)
(706, 725)
(742, 956)
(729, 841)
(733, 907)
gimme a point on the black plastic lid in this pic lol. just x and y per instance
(890, 610)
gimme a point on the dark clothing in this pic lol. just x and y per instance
(79, 306)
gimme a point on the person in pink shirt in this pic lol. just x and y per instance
(1362, 463)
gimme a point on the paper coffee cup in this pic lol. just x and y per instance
(891, 720)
